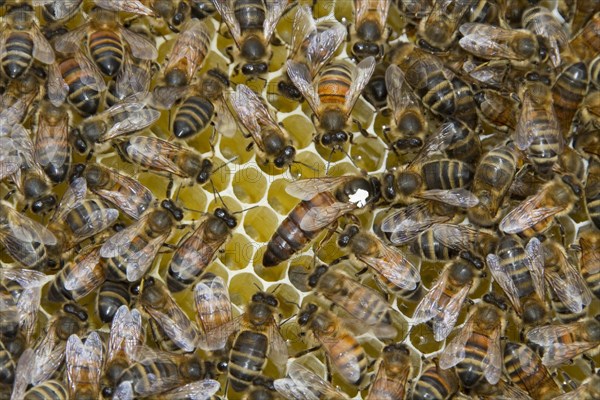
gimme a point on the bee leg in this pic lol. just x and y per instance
(361, 272)
(328, 368)
(563, 233)
(590, 360)
(385, 131)
(568, 381)
(339, 260)
(362, 130)
(9, 194)
(307, 351)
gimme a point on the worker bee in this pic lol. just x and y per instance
(10, 352)
(435, 383)
(128, 254)
(589, 241)
(302, 383)
(358, 300)
(443, 303)
(161, 306)
(493, 178)
(476, 350)
(252, 25)
(588, 390)
(331, 95)
(52, 150)
(24, 239)
(196, 251)
(324, 200)
(84, 365)
(519, 272)
(586, 43)
(16, 101)
(497, 109)
(563, 342)
(409, 126)
(213, 306)
(392, 373)
(526, 370)
(79, 277)
(437, 31)
(163, 157)
(254, 336)
(489, 42)
(126, 193)
(105, 37)
(568, 92)
(132, 81)
(22, 41)
(369, 31)
(543, 23)
(392, 268)
(77, 80)
(342, 349)
(470, 243)
(537, 212)
(112, 296)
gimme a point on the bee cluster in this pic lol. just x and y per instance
(282, 200)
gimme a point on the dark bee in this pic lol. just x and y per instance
(52, 150)
(438, 29)
(568, 93)
(369, 31)
(497, 109)
(133, 79)
(435, 383)
(78, 278)
(543, 23)
(112, 296)
(392, 374)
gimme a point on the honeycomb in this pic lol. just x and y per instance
(257, 193)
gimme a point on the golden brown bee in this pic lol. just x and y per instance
(443, 303)
(359, 301)
(105, 39)
(435, 383)
(324, 200)
(158, 302)
(343, 350)
(519, 272)
(543, 23)
(592, 192)
(392, 373)
(563, 342)
(438, 29)
(537, 212)
(125, 192)
(165, 157)
(476, 350)
(303, 382)
(526, 370)
(493, 178)
(588, 390)
(392, 268)
(25, 240)
(213, 306)
(489, 42)
(589, 241)
(21, 41)
(496, 109)
(52, 150)
(271, 142)
(78, 278)
(132, 80)
(584, 11)
(409, 126)
(128, 254)
(111, 296)
(332, 95)
(198, 250)
(568, 93)
(84, 365)
(252, 24)
(369, 32)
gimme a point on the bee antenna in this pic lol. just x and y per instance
(217, 194)
(294, 304)
(274, 290)
(350, 158)
(258, 287)
(225, 163)
(329, 162)
(244, 210)
(306, 165)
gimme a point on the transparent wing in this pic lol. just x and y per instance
(118, 244)
(90, 76)
(139, 262)
(304, 25)
(527, 214)
(142, 147)
(492, 361)
(320, 217)
(212, 299)
(140, 46)
(504, 280)
(443, 327)
(250, 111)
(131, 6)
(96, 221)
(217, 338)
(57, 87)
(226, 9)
(199, 390)
(71, 41)
(429, 307)
(488, 41)
(84, 361)
(275, 9)
(455, 350)
(323, 45)
(394, 266)
(301, 77)
(360, 77)
(42, 50)
(137, 119)
(455, 197)
(224, 121)
(535, 265)
(408, 222)
(278, 351)
(83, 275)
(176, 324)
(306, 189)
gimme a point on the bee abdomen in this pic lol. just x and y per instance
(193, 116)
(107, 51)
(111, 296)
(447, 174)
(83, 97)
(247, 359)
(470, 370)
(49, 390)
(346, 357)
(430, 386)
(17, 58)
(250, 14)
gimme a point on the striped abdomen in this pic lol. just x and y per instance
(144, 376)
(106, 48)
(111, 296)
(48, 390)
(247, 358)
(514, 260)
(466, 109)
(470, 370)
(435, 383)
(431, 249)
(194, 114)
(250, 14)
(346, 354)
(116, 267)
(83, 97)
(446, 174)
(17, 54)
(545, 146)
(334, 84)
(568, 93)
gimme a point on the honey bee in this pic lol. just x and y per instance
(568, 93)
(105, 39)
(584, 11)
(589, 241)
(165, 158)
(128, 254)
(272, 143)
(359, 301)
(332, 95)
(113, 295)
(78, 278)
(519, 272)
(22, 41)
(173, 12)
(24, 239)
(490, 42)
(84, 365)
(435, 383)
(254, 337)
(369, 31)
(409, 126)
(501, 390)
(493, 177)
(132, 81)
(16, 101)
(324, 200)
(437, 31)
(588, 390)
(342, 349)
(392, 268)
(543, 23)
(526, 370)
(497, 109)
(465, 144)
(302, 383)
(212, 305)
(10, 351)
(443, 303)
(161, 306)
(252, 24)
(124, 192)
(120, 119)
(537, 212)
(564, 342)
(52, 150)
(592, 192)
(476, 350)
(392, 374)
(77, 80)
(198, 250)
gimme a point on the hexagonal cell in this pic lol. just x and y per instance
(260, 223)
(242, 287)
(195, 201)
(300, 128)
(368, 153)
(288, 298)
(237, 252)
(221, 176)
(249, 184)
(234, 148)
(278, 198)
(309, 165)
(231, 204)
(269, 274)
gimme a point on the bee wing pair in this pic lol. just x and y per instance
(303, 384)
(90, 76)
(126, 334)
(570, 288)
(394, 266)
(199, 390)
(213, 306)
(84, 362)
(557, 352)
